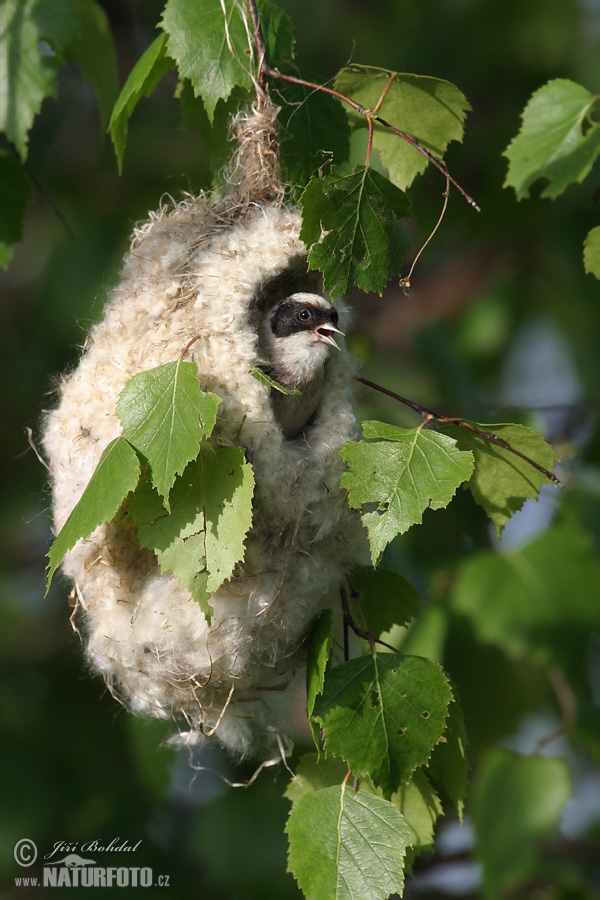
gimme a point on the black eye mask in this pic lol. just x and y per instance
(290, 318)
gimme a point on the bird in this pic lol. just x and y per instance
(296, 335)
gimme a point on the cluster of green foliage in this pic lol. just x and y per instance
(560, 142)
(393, 720)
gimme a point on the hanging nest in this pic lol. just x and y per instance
(210, 266)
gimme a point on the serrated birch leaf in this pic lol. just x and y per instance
(591, 252)
(202, 538)
(165, 414)
(143, 78)
(278, 32)
(313, 772)
(555, 141)
(384, 599)
(314, 129)
(179, 548)
(404, 471)
(501, 481)
(319, 648)
(116, 475)
(383, 714)
(430, 109)
(417, 800)
(209, 43)
(209, 40)
(420, 807)
(347, 845)
(448, 766)
(229, 483)
(15, 194)
(28, 74)
(351, 227)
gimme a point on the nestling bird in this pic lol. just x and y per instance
(295, 336)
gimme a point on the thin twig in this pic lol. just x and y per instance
(434, 160)
(405, 282)
(368, 114)
(48, 199)
(371, 115)
(431, 416)
(362, 633)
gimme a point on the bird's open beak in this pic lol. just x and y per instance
(324, 331)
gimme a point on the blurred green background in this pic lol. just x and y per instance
(501, 323)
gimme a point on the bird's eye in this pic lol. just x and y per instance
(304, 315)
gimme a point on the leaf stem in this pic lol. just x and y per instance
(430, 416)
(405, 282)
(265, 70)
(363, 633)
(188, 345)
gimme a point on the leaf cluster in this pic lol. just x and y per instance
(37, 39)
(559, 141)
(388, 727)
(352, 214)
(391, 750)
(191, 503)
(395, 474)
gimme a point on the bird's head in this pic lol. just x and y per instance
(297, 334)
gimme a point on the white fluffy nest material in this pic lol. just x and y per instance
(210, 267)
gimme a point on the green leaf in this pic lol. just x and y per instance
(14, 198)
(416, 800)
(116, 475)
(591, 252)
(319, 648)
(383, 714)
(556, 141)
(278, 33)
(209, 41)
(430, 109)
(314, 129)
(420, 807)
(351, 229)
(314, 772)
(538, 603)
(143, 78)
(29, 70)
(517, 803)
(201, 539)
(165, 414)
(94, 50)
(448, 766)
(384, 598)
(501, 481)
(347, 845)
(264, 378)
(404, 471)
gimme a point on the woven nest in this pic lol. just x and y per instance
(210, 266)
